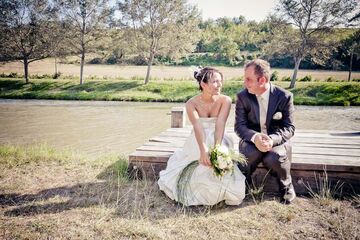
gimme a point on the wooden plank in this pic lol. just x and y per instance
(352, 141)
(311, 150)
(165, 144)
(304, 181)
(296, 150)
(326, 151)
(340, 159)
(297, 163)
(149, 156)
(158, 148)
(332, 146)
(175, 134)
(329, 145)
(306, 131)
(166, 139)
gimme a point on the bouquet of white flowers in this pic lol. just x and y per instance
(222, 159)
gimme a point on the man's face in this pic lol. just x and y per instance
(251, 81)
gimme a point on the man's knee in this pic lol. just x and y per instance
(250, 152)
(278, 163)
(271, 159)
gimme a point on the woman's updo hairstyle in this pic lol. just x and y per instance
(204, 74)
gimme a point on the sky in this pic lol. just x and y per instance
(251, 9)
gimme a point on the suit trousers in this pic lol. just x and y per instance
(278, 161)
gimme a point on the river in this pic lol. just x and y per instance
(98, 127)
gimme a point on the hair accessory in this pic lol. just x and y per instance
(196, 70)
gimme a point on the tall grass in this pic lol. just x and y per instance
(16, 155)
(325, 190)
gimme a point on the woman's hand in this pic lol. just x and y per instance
(204, 158)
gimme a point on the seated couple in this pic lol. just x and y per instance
(264, 124)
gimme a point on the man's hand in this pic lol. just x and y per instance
(263, 142)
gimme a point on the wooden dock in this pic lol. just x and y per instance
(318, 157)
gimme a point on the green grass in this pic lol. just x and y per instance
(14, 156)
(305, 93)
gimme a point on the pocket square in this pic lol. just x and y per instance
(277, 116)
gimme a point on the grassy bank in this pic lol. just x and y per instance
(305, 93)
(56, 195)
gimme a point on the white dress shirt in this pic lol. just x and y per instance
(263, 101)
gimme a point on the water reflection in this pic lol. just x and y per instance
(97, 127)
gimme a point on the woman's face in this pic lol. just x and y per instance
(214, 84)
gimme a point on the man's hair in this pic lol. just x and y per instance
(261, 68)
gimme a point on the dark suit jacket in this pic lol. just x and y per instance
(247, 121)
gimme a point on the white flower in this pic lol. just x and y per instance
(230, 164)
(277, 116)
(223, 149)
(222, 162)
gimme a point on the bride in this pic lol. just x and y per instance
(207, 112)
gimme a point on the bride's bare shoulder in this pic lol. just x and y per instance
(192, 102)
(226, 99)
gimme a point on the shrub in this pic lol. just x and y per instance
(41, 76)
(331, 79)
(138, 60)
(95, 61)
(56, 75)
(10, 75)
(286, 79)
(307, 78)
(112, 60)
(274, 76)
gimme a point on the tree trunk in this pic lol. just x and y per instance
(82, 66)
(82, 49)
(26, 70)
(151, 59)
(55, 66)
(297, 64)
(350, 67)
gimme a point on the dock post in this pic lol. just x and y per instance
(178, 117)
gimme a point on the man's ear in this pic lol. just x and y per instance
(262, 80)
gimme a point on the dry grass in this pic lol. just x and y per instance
(84, 198)
(138, 72)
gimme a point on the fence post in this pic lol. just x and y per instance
(178, 117)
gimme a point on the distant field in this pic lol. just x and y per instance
(127, 72)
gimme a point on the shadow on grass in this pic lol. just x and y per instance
(104, 87)
(130, 198)
(12, 84)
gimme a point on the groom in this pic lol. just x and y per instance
(264, 123)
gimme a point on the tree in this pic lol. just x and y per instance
(29, 31)
(313, 19)
(85, 20)
(352, 47)
(156, 26)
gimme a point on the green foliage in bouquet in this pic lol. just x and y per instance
(222, 159)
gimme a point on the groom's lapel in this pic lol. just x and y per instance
(273, 99)
(255, 106)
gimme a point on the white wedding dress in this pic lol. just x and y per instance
(204, 187)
